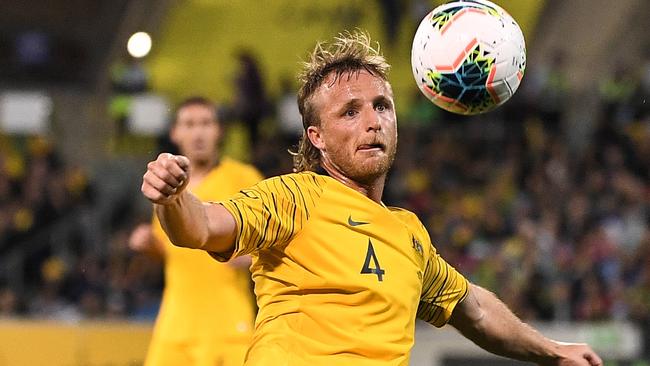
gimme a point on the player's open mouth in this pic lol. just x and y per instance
(371, 147)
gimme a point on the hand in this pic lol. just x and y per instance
(575, 354)
(243, 262)
(140, 239)
(166, 177)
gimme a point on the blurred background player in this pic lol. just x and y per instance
(207, 313)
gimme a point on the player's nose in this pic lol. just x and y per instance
(372, 120)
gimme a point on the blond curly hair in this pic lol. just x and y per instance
(350, 52)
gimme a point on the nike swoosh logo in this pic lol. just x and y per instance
(355, 223)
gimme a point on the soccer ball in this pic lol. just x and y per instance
(468, 57)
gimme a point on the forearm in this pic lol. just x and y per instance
(191, 223)
(183, 219)
(493, 327)
(186, 220)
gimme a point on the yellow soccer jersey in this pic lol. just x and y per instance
(205, 304)
(339, 278)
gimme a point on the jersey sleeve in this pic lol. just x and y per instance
(272, 212)
(443, 288)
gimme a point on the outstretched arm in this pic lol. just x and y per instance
(187, 221)
(191, 223)
(485, 320)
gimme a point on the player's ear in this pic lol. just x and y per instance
(314, 135)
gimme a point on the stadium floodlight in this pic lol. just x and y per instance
(139, 44)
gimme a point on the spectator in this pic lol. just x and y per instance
(250, 104)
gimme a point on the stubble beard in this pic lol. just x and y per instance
(204, 160)
(365, 173)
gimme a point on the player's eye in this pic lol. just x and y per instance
(382, 107)
(350, 113)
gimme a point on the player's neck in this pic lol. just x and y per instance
(373, 189)
(200, 169)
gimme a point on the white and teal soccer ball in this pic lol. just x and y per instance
(468, 57)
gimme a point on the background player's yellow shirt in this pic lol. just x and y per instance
(205, 303)
(339, 278)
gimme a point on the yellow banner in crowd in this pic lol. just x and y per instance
(27, 342)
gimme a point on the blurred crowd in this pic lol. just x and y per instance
(557, 224)
(558, 228)
(559, 233)
(40, 198)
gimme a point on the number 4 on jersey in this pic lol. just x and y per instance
(370, 255)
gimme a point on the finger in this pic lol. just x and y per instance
(172, 174)
(158, 184)
(594, 359)
(153, 195)
(178, 166)
(165, 156)
(151, 192)
(181, 160)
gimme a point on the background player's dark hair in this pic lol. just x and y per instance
(197, 100)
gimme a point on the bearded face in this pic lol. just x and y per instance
(357, 134)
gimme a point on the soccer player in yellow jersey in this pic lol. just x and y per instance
(339, 277)
(206, 316)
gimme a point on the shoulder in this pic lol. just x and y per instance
(406, 216)
(303, 181)
(307, 179)
(411, 221)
